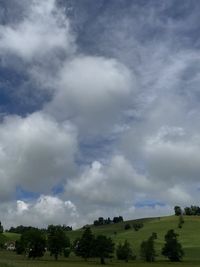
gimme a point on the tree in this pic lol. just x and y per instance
(33, 242)
(147, 249)
(118, 219)
(187, 211)
(1, 228)
(124, 251)
(172, 248)
(137, 226)
(19, 247)
(103, 247)
(84, 246)
(180, 221)
(177, 210)
(57, 240)
(127, 226)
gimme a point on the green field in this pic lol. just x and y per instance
(189, 236)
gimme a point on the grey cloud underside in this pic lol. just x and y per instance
(123, 74)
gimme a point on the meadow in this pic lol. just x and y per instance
(189, 237)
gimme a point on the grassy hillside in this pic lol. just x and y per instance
(11, 236)
(189, 235)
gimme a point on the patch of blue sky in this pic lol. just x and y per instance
(22, 194)
(18, 94)
(96, 149)
(93, 19)
(57, 189)
(149, 203)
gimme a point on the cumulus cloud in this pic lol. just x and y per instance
(165, 138)
(42, 212)
(111, 184)
(35, 152)
(92, 92)
(44, 29)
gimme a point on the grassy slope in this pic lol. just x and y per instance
(11, 236)
(189, 235)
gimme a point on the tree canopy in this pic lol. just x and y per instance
(103, 247)
(33, 242)
(84, 246)
(172, 248)
(124, 251)
(57, 240)
(147, 249)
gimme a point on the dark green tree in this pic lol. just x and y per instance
(137, 226)
(19, 246)
(57, 240)
(188, 211)
(83, 246)
(33, 242)
(1, 228)
(172, 248)
(147, 248)
(127, 226)
(124, 251)
(177, 210)
(103, 247)
(180, 221)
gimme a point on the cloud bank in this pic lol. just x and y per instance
(118, 81)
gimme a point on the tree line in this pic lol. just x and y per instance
(102, 221)
(89, 246)
(22, 229)
(192, 210)
(34, 243)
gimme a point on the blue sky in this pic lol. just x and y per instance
(99, 109)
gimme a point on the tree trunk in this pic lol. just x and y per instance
(102, 260)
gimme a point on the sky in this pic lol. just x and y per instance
(99, 109)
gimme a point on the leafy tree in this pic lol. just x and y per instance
(127, 226)
(1, 228)
(57, 240)
(195, 210)
(124, 251)
(103, 247)
(180, 221)
(33, 242)
(66, 252)
(177, 210)
(19, 246)
(147, 249)
(118, 219)
(22, 229)
(137, 226)
(3, 240)
(187, 211)
(84, 246)
(172, 248)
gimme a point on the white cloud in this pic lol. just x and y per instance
(114, 183)
(44, 29)
(93, 92)
(36, 153)
(42, 212)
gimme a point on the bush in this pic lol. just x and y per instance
(147, 249)
(137, 226)
(66, 252)
(127, 226)
(172, 248)
(124, 252)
